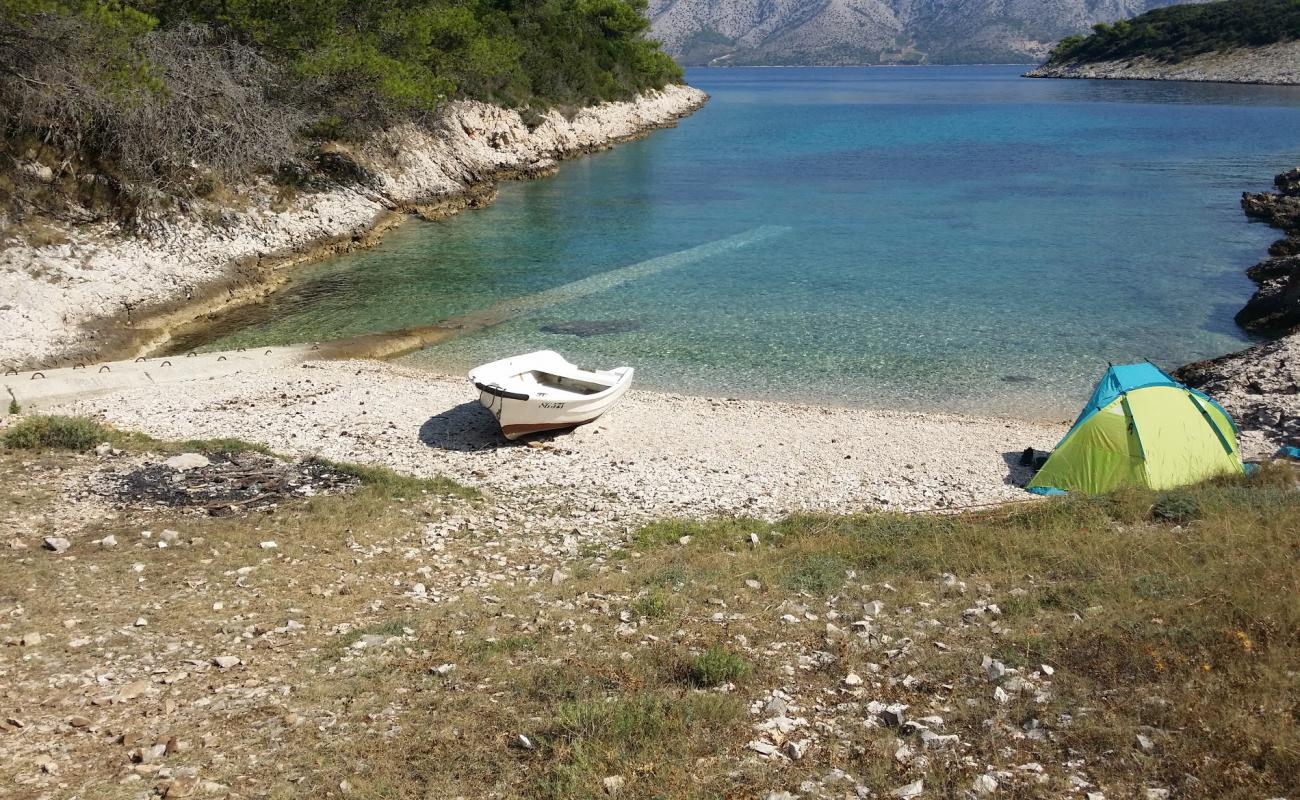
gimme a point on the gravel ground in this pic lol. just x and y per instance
(654, 455)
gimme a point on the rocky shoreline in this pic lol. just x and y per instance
(1260, 386)
(1275, 64)
(97, 293)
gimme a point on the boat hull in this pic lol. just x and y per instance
(513, 432)
(524, 408)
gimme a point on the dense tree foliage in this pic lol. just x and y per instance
(1175, 33)
(161, 90)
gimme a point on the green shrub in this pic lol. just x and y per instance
(14, 406)
(1176, 506)
(653, 606)
(57, 433)
(1176, 33)
(717, 666)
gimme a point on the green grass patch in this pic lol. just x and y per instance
(723, 531)
(78, 434)
(817, 573)
(717, 666)
(396, 484)
(219, 445)
(505, 645)
(653, 605)
(600, 736)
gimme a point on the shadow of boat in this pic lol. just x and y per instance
(466, 428)
(469, 428)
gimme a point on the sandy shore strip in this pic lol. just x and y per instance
(655, 455)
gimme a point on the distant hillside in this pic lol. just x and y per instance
(1237, 41)
(1173, 35)
(876, 31)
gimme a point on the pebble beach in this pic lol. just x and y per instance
(654, 455)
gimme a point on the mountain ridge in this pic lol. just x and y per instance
(847, 32)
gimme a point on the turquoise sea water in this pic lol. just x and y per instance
(932, 238)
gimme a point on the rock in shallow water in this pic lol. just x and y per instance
(591, 327)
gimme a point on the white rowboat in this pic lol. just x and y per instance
(543, 392)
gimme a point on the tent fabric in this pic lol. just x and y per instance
(1142, 428)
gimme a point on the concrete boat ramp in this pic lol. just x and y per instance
(49, 387)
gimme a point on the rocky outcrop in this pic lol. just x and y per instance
(93, 291)
(1272, 64)
(1275, 308)
(1260, 386)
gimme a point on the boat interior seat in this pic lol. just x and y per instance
(564, 383)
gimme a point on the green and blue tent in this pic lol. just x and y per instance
(1142, 428)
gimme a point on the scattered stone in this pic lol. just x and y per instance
(874, 608)
(182, 786)
(31, 639)
(776, 707)
(1145, 743)
(795, 751)
(1155, 793)
(187, 461)
(995, 670)
(108, 541)
(613, 784)
(763, 748)
(893, 716)
(934, 741)
(268, 545)
(56, 543)
(909, 791)
(140, 622)
(984, 785)
(79, 722)
(170, 536)
(131, 691)
(226, 662)
(523, 742)
(444, 669)
(852, 679)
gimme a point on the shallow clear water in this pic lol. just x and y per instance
(935, 238)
